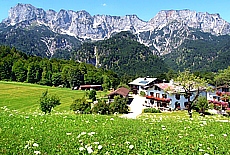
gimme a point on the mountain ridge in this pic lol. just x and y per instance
(161, 28)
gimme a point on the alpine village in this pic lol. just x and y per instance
(75, 83)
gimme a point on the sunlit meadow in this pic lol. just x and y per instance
(62, 132)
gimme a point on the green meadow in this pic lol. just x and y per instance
(25, 97)
(25, 130)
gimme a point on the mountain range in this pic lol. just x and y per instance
(168, 34)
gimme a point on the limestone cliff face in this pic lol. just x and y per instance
(164, 32)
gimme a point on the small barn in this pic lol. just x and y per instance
(123, 92)
(90, 87)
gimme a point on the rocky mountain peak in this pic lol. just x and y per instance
(167, 30)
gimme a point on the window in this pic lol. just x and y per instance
(185, 104)
(151, 93)
(177, 96)
(158, 95)
(164, 95)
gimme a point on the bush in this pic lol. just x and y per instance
(228, 112)
(151, 110)
(81, 105)
(101, 107)
(142, 93)
(47, 102)
(92, 95)
(119, 105)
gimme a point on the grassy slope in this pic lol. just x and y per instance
(25, 96)
(151, 134)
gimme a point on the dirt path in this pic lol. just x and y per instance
(135, 107)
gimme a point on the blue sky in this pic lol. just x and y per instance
(144, 9)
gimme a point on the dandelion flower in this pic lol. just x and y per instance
(111, 119)
(99, 147)
(131, 146)
(35, 145)
(37, 152)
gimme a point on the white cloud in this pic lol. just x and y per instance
(104, 4)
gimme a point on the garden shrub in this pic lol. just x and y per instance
(47, 102)
(92, 95)
(142, 93)
(101, 107)
(81, 105)
(119, 105)
(151, 110)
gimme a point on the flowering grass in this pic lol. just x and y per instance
(62, 133)
(25, 130)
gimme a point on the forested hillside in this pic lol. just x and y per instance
(38, 40)
(122, 54)
(17, 66)
(210, 53)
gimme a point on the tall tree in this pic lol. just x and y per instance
(192, 85)
(223, 77)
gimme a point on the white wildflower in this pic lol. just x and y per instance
(206, 154)
(89, 150)
(99, 147)
(96, 143)
(225, 135)
(211, 135)
(81, 148)
(131, 146)
(83, 133)
(37, 152)
(201, 150)
(180, 136)
(127, 142)
(35, 144)
(32, 128)
(68, 133)
(111, 119)
(200, 144)
(27, 146)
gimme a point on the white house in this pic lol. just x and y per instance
(163, 95)
(142, 84)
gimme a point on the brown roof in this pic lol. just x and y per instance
(89, 86)
(120, 91)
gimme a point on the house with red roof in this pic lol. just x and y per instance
(161, 94)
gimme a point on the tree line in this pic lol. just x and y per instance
(17, 66)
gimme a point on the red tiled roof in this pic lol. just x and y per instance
(120, 91)
(165, 86)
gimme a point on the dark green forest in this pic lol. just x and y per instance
(209, 54)
(123, 55)
(17, 66)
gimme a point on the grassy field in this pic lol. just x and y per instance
(25, 96)
(25, 130)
